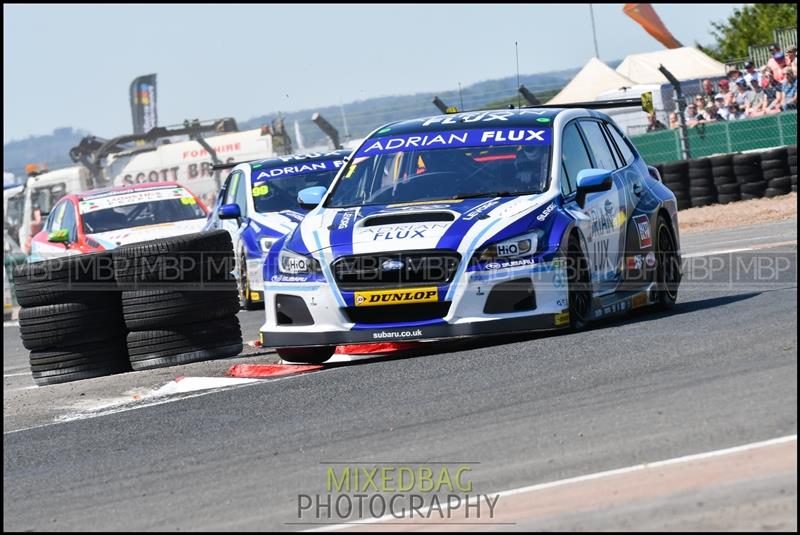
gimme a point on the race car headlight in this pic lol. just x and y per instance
(296, 264)
(516, 247)
(265, 243)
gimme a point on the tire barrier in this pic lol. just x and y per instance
(729, 178)
(71, 318)
(179, 300)
(147, 305)
(702, 190)
(676, 178)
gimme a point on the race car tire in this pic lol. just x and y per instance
(726, 199)
(771, 159)
(81, 354)
(748, 159)
(684, 204)
(306, 355)
(782, 183)
(61, 280)
(668, 267)
(678, 167)
(723, 180)
(153, 309)
(701, 191)
(181, 344)
(68, 324)
(192, 259)
(579, 286)
(721, 160)
(723, 170)
(243, 287)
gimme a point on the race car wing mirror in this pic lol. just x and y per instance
(591, 181)
(229, 211)
(59, 236)
(309, 198)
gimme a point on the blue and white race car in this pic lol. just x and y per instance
(257, 204)
(471, 224)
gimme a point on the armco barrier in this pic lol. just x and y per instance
(720, 138)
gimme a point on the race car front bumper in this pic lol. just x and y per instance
(316, 313)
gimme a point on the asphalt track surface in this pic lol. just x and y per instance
(718, 371)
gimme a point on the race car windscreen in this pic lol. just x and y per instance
(276, 189)
(445, 166)
(138, 209)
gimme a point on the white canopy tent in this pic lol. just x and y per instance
(685, 63)
(594, 78)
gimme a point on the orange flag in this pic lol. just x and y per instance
(647, 18)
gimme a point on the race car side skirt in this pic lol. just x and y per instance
(540, 322)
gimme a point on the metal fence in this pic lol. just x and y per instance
(720, 138)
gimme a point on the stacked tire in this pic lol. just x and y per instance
(775, 166)
(179, 300)
(724, 178)
(702, 190)
(71, 318)
(791, 159)
(749, 176)
(676, 177)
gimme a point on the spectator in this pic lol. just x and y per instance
(734, 74)
(722, 108)
(773, 93)
(751, 73)
(791, 58)
(725, 91)
(789, 89)
(734, 113)
(654, 124)
(691, 115)
(777, 63)
(742, 93)
(711, 115)
(674, 121)
(755, 103)
(708, 92)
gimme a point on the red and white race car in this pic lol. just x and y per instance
(103, 219)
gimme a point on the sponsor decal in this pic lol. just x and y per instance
(310, 155)
(562, 318)
(546, 212)
(290, 278)
(383, 335)
(455, 139)
(397, 297)
(481, 208)
(562, 302)
(479, 117)
(403, 232)
(345, 218)
(434, 205)
(613, 308)
(650, 260)
(643, 227)
(635, 262)
(639, 300)
(508, 264)
(134, 197)
(298, 169)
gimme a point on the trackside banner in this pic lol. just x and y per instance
(456, 138)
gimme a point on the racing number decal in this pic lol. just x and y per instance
(259, 191)
(188, 200)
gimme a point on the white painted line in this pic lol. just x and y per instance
(588, 477)
(711, 253)
(14, 323)
(15, 374)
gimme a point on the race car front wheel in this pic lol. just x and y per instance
(306, 355)
(668, 268)
(579, 285)
(244, 287)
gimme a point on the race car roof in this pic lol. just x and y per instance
(281, 161)
(540, 117)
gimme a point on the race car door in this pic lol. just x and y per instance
(604, 213)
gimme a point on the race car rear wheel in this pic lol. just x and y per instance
(306, 355)
(579, 285)
(668, 268)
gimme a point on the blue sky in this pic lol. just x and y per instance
(72, 65)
